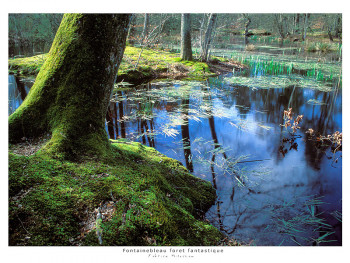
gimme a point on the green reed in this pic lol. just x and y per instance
(263, 65)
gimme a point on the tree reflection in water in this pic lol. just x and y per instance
(249, 200)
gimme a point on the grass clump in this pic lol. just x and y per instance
(321, 47)
(145, 199)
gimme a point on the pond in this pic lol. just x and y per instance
(274, 187)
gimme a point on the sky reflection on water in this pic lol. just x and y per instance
(232, 136)
(266, 193)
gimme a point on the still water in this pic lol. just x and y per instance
(17, 91)
(273, 187)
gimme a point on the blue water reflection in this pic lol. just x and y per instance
(232, 136)
(216, 123)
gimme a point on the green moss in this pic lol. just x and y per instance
(157, 202)
(27, 66)
(151, 64)
(72, 90)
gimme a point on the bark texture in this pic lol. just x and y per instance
(246, 30)
(71, 93)
(186, 48)
(207, 38)
(306, 25)
(145, 29)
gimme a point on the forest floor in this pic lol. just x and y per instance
(152, 64)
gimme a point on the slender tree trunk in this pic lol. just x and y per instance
(130, 36)
(207, 38)
(152, 37)
(306, 25)
(294, 23)
(145, 29)
(297, 24)
(70, 96)
(246, 31)
(201, 31)
(338, 30)
(186, 48)
(330, 34)
(280, 27)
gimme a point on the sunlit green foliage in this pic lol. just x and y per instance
(153, 63)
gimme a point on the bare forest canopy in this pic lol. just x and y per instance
(35, 32)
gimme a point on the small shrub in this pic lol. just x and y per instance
(250, 47)
(324, 47)
(312, 48)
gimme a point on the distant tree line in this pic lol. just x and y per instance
(34, 31)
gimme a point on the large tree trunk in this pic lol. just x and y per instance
(207, 38)
(70, 96)
(186, 48)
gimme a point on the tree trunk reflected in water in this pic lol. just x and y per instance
(121, 115)
(246, 203)
(186, 134)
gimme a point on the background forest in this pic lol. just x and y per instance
(34, 33)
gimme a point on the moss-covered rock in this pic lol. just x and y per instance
(145, 198)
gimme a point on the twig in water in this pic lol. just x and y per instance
(254, 161)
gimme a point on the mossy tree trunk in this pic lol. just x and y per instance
(71, 93)
(186, 48)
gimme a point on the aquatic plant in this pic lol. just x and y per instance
(316, 102)
(263, 64)
(335, 140)
(304, 226)
(268, 82)
(288, 117)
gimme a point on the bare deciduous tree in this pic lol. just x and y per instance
(145, 29)
(246, 28)
(205, 43)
